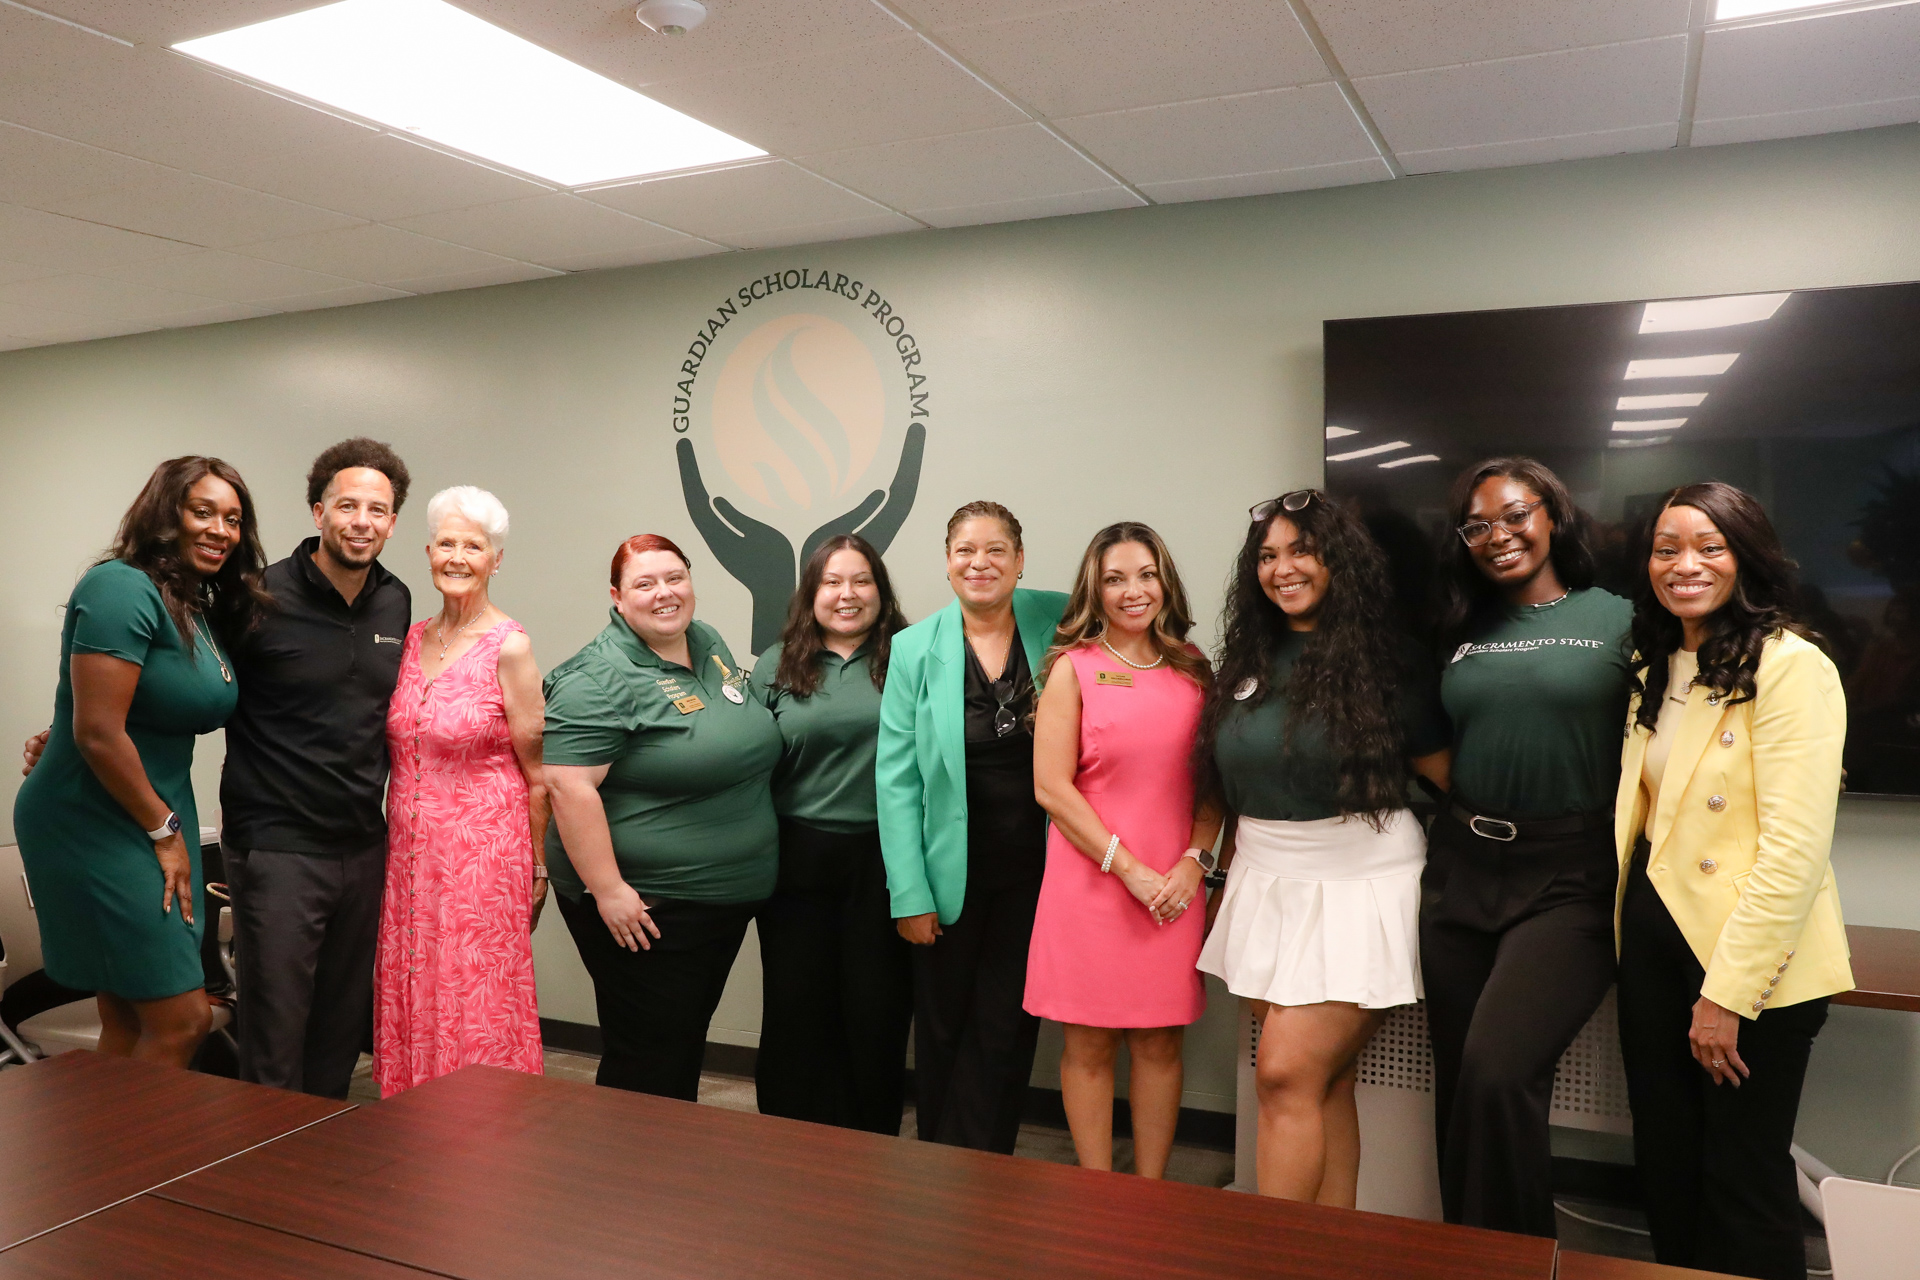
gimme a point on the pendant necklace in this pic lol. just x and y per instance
(200, 628)
(446, 641)
(1137, 666)
(1548, 604)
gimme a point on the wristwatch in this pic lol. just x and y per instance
(1202, 856)
(171, 827)
(539, 871)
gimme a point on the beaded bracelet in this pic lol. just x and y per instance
(1106, 863)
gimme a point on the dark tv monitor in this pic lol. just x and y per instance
(1809, 400)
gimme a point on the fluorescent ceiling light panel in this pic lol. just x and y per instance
(1639, 444)
(1681, 367)
(1710, 313)
(1684, 401)
(1407, 462)
(1334, 433)
(429, 69)
(1651, 424)
(1728, 10)
(1366, 453)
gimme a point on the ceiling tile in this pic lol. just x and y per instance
(347, 297)
(1373, 37)
(545, 227)
(1579, 146)
(1799, 124)
(1135, 53)
(512, 273)
(1307, 178)
(42, 239)
(11, 271)
(169, 21)
(881, 224)
(38, 167)
(379, 177)
(229, 276)
(733, 205)
(39, 323)
(689, 248)
(1016, 163)
(95, 296)
(217, 313)
(10, 343)
(1246, 133)
(1545, 95)
(373, 254)
(196, 210)
(1812, 62)
(851, 97)
(1108, 197)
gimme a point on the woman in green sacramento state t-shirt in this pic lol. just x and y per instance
(1516, 927)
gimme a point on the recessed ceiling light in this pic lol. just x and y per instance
(1639, 444)
(1681, 367)
(1710, 313)
(1684, 401)
(1651, 424)
(1366, 453)
(1728, 10)
(1334, 433)
(427, 68)
(1407, 462)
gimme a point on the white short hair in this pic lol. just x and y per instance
(473, 504)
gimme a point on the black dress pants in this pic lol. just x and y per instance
(837, 986)
(973, 1041)
(1516, 948)
(655, 1004)
(1715, 1161)
(306, 927)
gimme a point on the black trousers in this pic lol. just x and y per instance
(837, 986)
(1714, 1160)
(654, 1005)
(973, 1042)
(1516, 948)
(306, 927)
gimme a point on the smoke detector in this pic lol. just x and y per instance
(671, 17)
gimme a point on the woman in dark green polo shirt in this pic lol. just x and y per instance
(664, 840)
(837, 985)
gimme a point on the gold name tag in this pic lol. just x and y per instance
(688, 705)
(1120, 678)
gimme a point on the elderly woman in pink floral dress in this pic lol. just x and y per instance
(467, 818)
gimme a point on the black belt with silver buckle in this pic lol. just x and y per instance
(1507, 831)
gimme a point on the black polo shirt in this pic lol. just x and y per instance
(307, 746)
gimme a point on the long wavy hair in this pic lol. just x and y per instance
(1760, 607)
(1466, 592)
(1085, 620)
(801, 640)
(149, 540)
(1348, 675)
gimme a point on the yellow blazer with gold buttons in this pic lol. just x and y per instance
(1743, 832)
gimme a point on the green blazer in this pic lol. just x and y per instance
(921, 771)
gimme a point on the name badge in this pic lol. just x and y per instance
(1118, 678)
(688, 705)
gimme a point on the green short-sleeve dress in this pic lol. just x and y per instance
(96, 884)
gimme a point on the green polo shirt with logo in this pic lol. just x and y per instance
(829, 739)
(688, 787)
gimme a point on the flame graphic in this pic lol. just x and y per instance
(798, 410)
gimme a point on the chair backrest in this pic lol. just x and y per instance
(1873, 1231)
(19, 927)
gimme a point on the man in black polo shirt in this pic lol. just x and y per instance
(303, 830)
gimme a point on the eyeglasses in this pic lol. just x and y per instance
(1298, 500)
(1006, 690)
(1476, 532)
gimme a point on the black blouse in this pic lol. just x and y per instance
(1006, 827)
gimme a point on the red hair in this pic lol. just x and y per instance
(639, 544)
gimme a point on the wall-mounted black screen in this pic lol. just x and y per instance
(1809, 400)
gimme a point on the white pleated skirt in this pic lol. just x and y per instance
(1319, 911)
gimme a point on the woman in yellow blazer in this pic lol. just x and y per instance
(1728, 921)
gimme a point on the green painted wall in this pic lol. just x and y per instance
(1160, 364)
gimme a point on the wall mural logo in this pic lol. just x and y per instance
(805, 387)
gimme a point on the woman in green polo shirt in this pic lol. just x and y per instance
(836, 984)
(664, 841)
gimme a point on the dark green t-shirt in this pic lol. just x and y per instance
(687, 793)
(1538, 700)
(1264, 777)
(828, 740)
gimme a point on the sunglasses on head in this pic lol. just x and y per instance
(1298, 500)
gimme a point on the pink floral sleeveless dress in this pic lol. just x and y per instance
(454, 981)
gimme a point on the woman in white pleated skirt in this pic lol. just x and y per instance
(1319, 711)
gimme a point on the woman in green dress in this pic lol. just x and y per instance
(106, 821)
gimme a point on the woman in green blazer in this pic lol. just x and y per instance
(963, 837)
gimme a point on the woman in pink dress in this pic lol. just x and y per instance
(466, 821)
(1114, 943)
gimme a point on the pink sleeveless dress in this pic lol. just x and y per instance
(454, 981)
(1097, 958)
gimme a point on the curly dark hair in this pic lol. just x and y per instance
(358, 452)
(1466, 592)
(1761, 606)
(800, 640)
(1348, 675)
(149, 540)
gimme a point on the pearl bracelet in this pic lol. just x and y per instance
(1106, 863)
